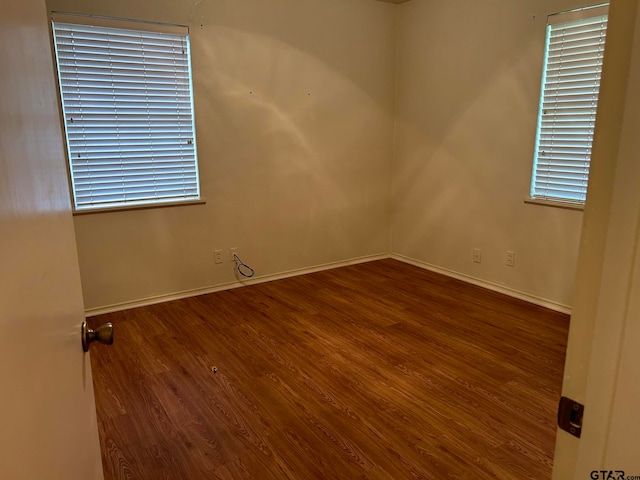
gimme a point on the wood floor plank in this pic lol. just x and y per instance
(374, 371)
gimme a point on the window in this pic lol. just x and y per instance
(568, 104)
(127, 107)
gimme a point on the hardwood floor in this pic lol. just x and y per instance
(374, 371)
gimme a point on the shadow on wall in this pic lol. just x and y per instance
(295, 132)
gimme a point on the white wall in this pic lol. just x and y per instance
(468, 88)
(294, 124)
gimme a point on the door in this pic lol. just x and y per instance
(48, 426)
(602, 356)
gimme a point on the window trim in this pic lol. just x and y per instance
(126, 24)
(140, 206)
(554, 203)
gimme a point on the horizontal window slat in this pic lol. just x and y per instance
(112, 195)
(559, 35)
(68, 40)
(128, 109)
(590, 36)
(570, 193)
(574, 36)
(552, 158)
(135, 193)
(109, 62)
(562, 189)
(100, 127)
(564, 153)
(129, 103)
(132, 185)
(124, 97)
(562, 75)
(586, 83)
(564, 108)
(175, 140)
(560, 99)
(574, 147)
(98, 206)
(567, 194)
(559, 121)
(574, 170)
(571, 171)
(574, 174)
(579, 187)
(136, 183)
(142, 202)
(91, 120)
(94, 161)
(130, 137)
(80, 82)
(70, 49)
(576, 78)
(165, 75)
(578, 145)
(138, 186)
(564, 182)
(561, 137)
(559, 199)
(126, 177)
(125, 112)
(126, 85)
(140, 194)
(561, 164)
(574, 28)
(106, 165)
(584, 50)
(117, 71)
(104, 44)
(576, 64)
(158, 155)
(102, 34)
(557, 118)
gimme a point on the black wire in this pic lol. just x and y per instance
(240, 265)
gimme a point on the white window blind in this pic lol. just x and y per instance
(128, 114)
(568, 105)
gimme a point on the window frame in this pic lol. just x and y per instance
(562, 18)
(139, 26)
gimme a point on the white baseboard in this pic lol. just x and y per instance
(543, 302)
(227, 286)
(328, 266)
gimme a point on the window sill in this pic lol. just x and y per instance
(144, 206)
(555, 204)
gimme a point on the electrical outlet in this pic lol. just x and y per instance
(477, 255)
(511, 258)
(233, 251)
(217, 254)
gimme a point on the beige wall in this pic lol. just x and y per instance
(468, 89)
(294, 124)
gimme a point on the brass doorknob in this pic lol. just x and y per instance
(102, 334)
